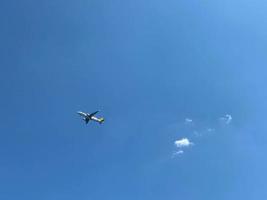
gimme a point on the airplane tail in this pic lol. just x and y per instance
(101, 120)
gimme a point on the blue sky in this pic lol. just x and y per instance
(148, 66)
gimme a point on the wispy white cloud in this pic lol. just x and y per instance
(188, 121)
(177, 153)
(227, 119)
(210, 130)
(184, 142)
(180, 145)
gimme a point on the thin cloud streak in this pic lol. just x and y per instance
(188, 121)
(177, 153)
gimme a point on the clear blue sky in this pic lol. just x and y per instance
(147, 65)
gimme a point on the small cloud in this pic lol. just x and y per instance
(184, 142)
(177, 153)
(188, 121)
(180, 145)
(226, 119)
(229, 119)
(210, 130)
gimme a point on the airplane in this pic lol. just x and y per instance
(87, 117)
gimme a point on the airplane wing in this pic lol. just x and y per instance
(82, 114)
(92, 114)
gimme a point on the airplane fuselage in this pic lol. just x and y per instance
(87, 117)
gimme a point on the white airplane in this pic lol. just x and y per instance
(87, 117)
